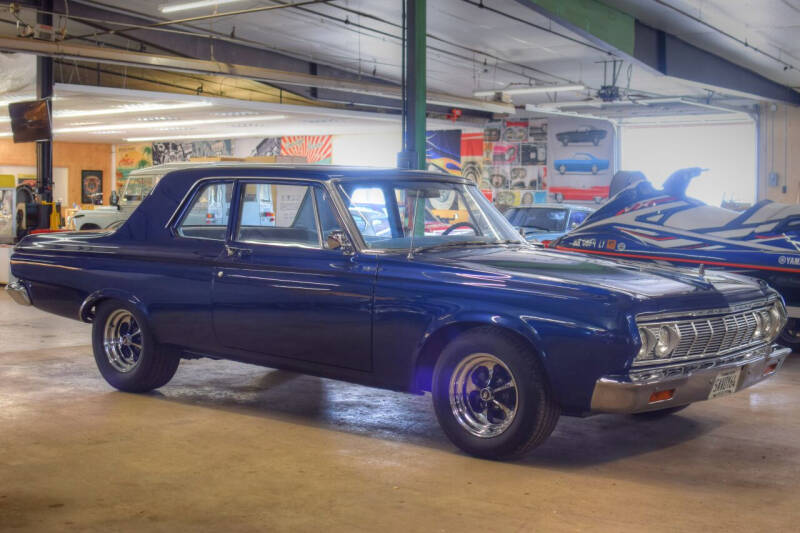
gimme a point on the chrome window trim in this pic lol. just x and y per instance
(182, 204)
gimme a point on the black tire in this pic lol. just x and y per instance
(661, 413)
(155, 364)
(89, 226)
(790, 336)
(562, 169)
(536, 412)
(594, 169)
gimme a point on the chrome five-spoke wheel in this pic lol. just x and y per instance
(122, 340)
(483, 395)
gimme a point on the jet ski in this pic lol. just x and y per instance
(640, 222)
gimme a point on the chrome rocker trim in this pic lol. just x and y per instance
(18, 292)
(627, 394)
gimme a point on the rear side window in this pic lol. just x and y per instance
(274, 213)
(207, 217)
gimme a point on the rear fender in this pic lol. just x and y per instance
(86, 312)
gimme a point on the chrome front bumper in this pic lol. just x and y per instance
(690, 382)
(18, 292)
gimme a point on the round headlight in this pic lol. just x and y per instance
(648, 342)
(777, 320)
(766, 321)
(668, 338)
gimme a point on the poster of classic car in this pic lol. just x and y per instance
(583, 134)
(400, 308)
(581, 159)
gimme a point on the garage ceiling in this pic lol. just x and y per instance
(503, 44)
(769, 27)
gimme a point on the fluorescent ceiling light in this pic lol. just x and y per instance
(170, 123)
(167, 137)
(131, 108)
(532, 90)
(172, 8)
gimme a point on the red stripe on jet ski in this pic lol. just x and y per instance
(678, 260)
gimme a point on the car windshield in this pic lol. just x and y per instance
(414, 215)
(545, 219)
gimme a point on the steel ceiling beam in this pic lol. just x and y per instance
(623, 36)
(272, 76)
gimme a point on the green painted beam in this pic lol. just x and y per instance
(420, 78)
(592, 18)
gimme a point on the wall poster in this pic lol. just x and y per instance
(582, 158)
(92, 187)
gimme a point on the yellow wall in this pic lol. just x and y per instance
(779, 151)
(74, 156)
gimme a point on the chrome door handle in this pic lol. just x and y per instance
(232, 251)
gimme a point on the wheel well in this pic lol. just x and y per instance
(423, 379)
(89, 308)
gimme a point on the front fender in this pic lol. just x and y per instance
(86, 313)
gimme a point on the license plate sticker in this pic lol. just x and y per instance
(725, 383)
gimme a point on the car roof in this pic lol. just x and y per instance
(312, 172)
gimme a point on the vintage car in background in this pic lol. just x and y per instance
(641, 222)
(581, 162)
(584, 134)
(542, 223)
(507, 337)
(138, 185)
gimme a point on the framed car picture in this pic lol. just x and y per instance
(91, 186)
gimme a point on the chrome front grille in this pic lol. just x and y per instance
(710, 335)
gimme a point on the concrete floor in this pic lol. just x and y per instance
(232, 447)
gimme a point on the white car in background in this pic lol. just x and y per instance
(137, 187)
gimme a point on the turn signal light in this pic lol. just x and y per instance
(770, 369)
(662, 396)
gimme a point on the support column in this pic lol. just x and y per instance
(44, 89)
(413, 154)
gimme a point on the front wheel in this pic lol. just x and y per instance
(790, 336)
(491, 396)
(125, 351)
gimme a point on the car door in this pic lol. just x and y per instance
(280, 292)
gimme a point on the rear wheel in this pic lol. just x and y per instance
(491, 396)
(125, 351)
(89, 226)
(562, 169)
(594, 169)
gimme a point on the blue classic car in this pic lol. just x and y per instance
(581, 162)
(505, 336)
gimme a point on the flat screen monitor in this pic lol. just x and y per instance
(30, 121)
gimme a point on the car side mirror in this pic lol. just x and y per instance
(338, 240)
(113, 199)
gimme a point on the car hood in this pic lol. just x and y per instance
(525, 266)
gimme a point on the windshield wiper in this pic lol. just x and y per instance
(455, 244)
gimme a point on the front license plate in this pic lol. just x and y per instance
(725, 383)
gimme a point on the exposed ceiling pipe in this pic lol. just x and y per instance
(199, 66)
